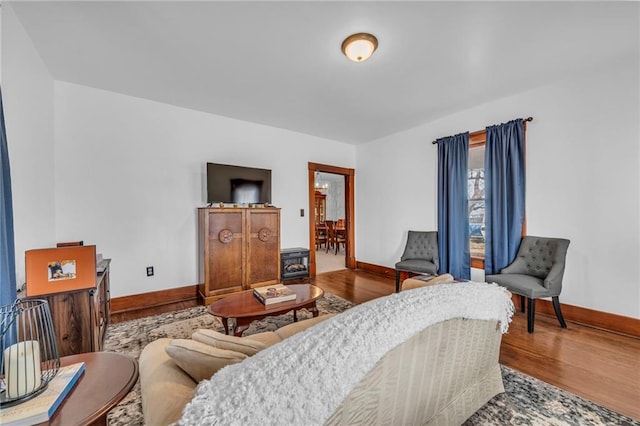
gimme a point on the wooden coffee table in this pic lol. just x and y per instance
(245, 308)
(107, 378)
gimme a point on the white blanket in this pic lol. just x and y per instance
(303, 380)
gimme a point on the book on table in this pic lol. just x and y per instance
(43, 407)
(277, 293)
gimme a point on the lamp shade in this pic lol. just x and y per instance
(359, 47)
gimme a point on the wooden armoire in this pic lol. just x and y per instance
(238, 249)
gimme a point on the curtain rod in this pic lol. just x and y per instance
(524, 119)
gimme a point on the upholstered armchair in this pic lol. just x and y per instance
(536, 272)
(420, 255)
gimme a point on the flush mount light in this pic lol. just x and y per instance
(359, 47)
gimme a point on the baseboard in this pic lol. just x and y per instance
(156, 302)
(376, 269)
(592, 318)
(589, 317)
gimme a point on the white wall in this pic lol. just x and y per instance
(582, 181)
(130, 174)
(27, 91)
(335, 200)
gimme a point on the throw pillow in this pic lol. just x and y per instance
(200, 361)
(222, 341)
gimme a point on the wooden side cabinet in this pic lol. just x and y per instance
(80, 317)
(238, 249)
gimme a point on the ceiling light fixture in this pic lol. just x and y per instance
(359, 47)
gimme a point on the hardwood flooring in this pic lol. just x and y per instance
(599, 366)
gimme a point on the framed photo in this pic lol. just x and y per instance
(53, 270)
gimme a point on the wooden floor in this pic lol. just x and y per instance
(599, 366)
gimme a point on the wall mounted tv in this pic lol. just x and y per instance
(237, 184)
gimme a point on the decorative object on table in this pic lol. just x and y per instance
(53, 270)
(30, 358)
(274, 294)
(42, 407)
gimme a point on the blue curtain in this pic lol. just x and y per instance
(504, 194)
(453, 208)
(7, 250)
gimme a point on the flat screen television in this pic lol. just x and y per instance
(237, 184)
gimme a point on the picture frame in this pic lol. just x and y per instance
(54, 270)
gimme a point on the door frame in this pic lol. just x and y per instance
(349, 211)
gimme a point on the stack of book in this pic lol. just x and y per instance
(277, 293)
(42, 407)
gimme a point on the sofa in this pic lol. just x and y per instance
(427, 355)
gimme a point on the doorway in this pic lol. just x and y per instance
(332, 174)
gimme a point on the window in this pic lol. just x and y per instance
(476, 196)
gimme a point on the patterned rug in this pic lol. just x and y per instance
(526, 401)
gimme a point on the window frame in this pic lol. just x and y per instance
(477, 139)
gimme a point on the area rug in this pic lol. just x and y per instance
(526, 401)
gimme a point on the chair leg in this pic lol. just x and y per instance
(521, 303)
(397, 281)
(531, 314)
(556, 307)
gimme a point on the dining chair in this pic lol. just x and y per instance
(321, 236)
(331, 234)
(339, 237)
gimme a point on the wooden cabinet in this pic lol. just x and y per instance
(80, 317)
(320, 207)
(239, 249)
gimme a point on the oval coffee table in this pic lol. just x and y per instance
(245, 308)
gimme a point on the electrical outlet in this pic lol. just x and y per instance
(301, 212)
(149, 271)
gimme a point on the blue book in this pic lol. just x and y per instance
(42, 407)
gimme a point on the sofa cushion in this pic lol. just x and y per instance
(201, 361)
(216, 339)
(159, 377)
(267, 338)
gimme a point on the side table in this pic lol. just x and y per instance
(107, 379)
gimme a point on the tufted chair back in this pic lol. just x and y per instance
(542, 258)
(422, 245)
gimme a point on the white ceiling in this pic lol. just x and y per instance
(280, 64)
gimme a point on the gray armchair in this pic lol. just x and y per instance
(536, 272)
(420, 255)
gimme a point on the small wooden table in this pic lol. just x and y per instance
(107, 379)
(245, 308)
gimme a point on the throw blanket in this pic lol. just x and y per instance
(303, 379)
